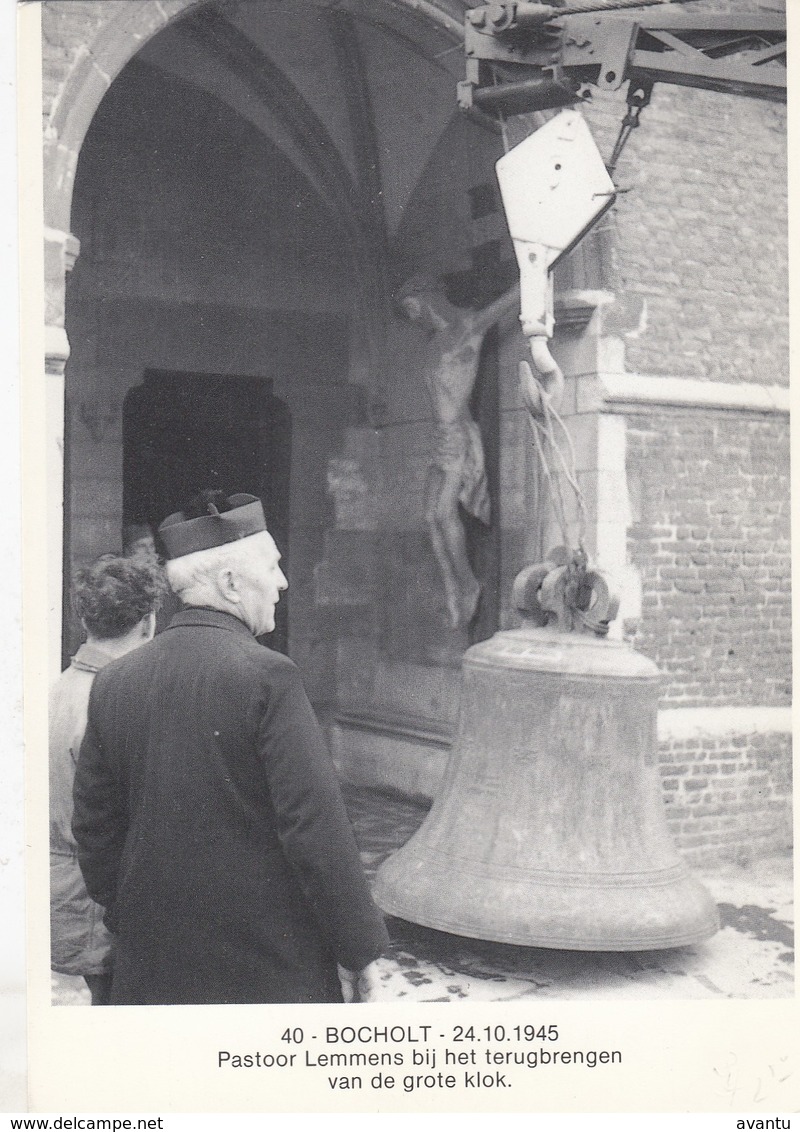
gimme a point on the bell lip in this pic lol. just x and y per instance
(548, 943)
(396, 886)
(704, 929)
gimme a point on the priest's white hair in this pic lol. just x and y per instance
(193, 576)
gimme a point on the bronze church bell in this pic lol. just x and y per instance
(549, 827)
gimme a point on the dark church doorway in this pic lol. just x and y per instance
(183, 432)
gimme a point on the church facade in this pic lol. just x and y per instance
(234, 192)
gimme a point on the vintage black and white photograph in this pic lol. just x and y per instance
(415, 427)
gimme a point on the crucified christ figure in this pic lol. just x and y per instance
(457, 473)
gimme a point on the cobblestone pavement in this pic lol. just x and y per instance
(752, 956)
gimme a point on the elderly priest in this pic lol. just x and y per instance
(208, 817)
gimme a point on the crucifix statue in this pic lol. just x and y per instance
(457, 473)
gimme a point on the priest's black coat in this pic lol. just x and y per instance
(211, 827)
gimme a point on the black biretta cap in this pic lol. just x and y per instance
(228, 519)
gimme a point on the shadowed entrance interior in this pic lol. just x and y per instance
(185, 432)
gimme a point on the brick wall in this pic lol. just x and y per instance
(711, 541)
(728, 796)
(700, 234)
(698, 261)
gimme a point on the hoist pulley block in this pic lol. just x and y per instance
(554, 186)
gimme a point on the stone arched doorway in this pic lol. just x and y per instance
(246, 195)
(84, 50)
(208, 257)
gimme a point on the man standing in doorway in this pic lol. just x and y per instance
(208, 817)
(457, 474)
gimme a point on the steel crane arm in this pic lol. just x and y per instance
(523, 57)
(737, 55)
(530, 56)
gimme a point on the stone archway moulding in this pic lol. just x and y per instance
(96, 65)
